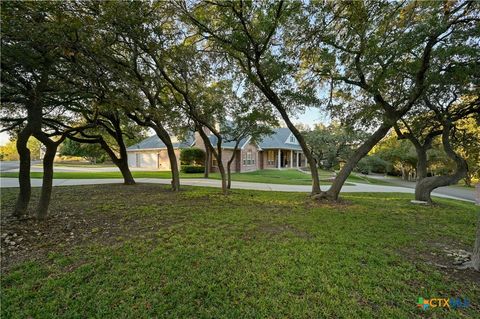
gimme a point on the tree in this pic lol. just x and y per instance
(447, 111)
(332, 144)
(8, 152)
(376, 57)
(132, 32)
(467, 144)
(91, 152)
(246, 124)
(250, 34)
(192, 156)
(399, 152)
(36, 47)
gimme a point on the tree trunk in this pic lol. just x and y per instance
(221, 169)
(421, 162)
(46, 193)
(218, 156)
(306, 151)
(476, 248)
(122, 164)
(208, 159)
(425, 187)
(468, 179)
(333, 192)
(172, 157)
(25, 192)
(173, 166)
(275, 100)
(229, 176)
(123, 159)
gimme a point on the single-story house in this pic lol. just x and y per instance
(278, 150)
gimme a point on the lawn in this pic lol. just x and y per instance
(142, 251)
(272, 176)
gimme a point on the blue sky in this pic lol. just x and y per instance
(312, 115)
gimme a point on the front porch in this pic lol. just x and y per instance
(280, 158)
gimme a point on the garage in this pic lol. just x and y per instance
(149, 160)
(132, 159)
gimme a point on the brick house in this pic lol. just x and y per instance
(278, 150)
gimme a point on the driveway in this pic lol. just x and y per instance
(357, 188)
(455, 191)
(14, 165)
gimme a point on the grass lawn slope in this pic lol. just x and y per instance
(143, 252)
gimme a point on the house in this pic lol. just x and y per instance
(152, 153)
(278, 150)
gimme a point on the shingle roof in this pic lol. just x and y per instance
(277, 140)
(154, 142)
(231, 144)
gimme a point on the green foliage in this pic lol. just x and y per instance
(372, 163)
(91, 152)
(332, 144)
(192, 156)
(467, 144)
(8, 152)
(190, 169)
(400, 154)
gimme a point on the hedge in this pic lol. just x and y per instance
(192, 156)
(192, 169)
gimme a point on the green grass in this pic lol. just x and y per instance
(146, 252)
(287, 176)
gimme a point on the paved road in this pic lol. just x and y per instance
(356, 188)
(455, 191)
(13, 165)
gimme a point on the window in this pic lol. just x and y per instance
(244, 158)
(293, 139)
(249, 158)
(270, 158)
(214, 162)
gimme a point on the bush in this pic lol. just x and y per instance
(192, 169)
(372, 163)
(192, 156)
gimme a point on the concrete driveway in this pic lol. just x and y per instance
(454, 190)
(14, 165)
(357, 188)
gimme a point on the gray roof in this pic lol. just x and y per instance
(278, 140)
(230, 144)
(154, 142)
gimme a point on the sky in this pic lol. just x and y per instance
(312, 115)
(3, 138)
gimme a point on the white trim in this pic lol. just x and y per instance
(288, 139)
(246, 142)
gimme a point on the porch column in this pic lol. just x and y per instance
(279, 164)
(298, 159)
(291, 159)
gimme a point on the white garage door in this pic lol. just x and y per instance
(132, 159)
(149, 160)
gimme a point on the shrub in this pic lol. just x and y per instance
(192, 156)
(192, 169)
